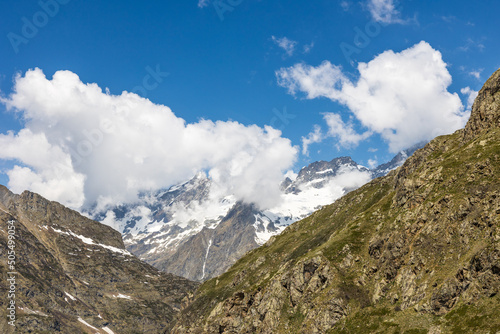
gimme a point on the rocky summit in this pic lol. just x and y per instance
(69, 274)
(416, 251)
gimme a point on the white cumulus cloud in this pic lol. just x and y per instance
(402, 96)
(476, 74)
(326, 80)
(81, 145)
(308, 47)
(316, 136)
(372, 163)
(471, 96)
(347, 136)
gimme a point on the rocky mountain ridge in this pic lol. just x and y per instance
(74, 275)
(416, 251)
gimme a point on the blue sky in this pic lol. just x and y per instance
(252, 62)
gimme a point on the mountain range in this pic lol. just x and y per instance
(197, 231)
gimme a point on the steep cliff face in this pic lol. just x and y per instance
(485, 113)
(416, 251)
(73, 275)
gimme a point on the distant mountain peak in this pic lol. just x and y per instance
(397, 161)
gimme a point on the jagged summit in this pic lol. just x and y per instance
(318, 173)
(485, 112)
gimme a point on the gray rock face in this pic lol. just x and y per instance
(484, 114)
(210, 252)
(74, 273)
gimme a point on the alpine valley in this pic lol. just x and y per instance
(197, 230)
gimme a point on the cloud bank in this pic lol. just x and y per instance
(82, 146)
(402, 96)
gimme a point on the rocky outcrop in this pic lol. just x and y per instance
(73, 275)
(484, 114)
(416, 251)
(479, 278)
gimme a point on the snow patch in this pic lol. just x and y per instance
(28, 311)
(262, 230)
(206, 257)
(186, 209)
(108, 330)
(209, 210)
(87, 324)
(300, 205)
(329, 170)
(70, 296)
(89, 241)
(120, 295)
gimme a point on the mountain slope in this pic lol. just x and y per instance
(416, 251)
(73, 275)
